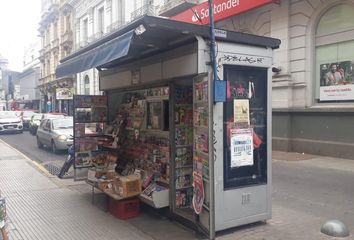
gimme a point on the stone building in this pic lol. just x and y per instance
(57, 42)
(309, 113)
(30, 75)
(313, 81)
(97, 18)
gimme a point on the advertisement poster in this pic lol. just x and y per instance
(198, 195)
(337, 81)
(241, 147)
(65, 93)
(242, 111)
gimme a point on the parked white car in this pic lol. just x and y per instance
(10, 121)
(56, 133)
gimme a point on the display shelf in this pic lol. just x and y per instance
(83, 167)
(183, 146)
(158, 199)
(184, 166)
(183, 125)
(204, 102)
(108, 147)
(203, 154)
(184, 207)
(163, 180)
(92, 135)
(205, 128)
(186, 187)
(206, 207)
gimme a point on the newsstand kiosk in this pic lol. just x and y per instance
(208, 142)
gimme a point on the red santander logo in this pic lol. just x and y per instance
(222, 9)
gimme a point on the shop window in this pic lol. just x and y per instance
(334, 55)
(87, 85)
(245, 127)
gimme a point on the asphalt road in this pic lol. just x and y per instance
(26, 143)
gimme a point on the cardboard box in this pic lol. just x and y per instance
(127, 186)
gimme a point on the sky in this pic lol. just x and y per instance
(19, 22)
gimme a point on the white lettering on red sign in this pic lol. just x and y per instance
(217, 8)
(222, 9)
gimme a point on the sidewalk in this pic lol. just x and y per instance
(42, 207)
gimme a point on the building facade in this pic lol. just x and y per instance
(57, 42)
(313, 81)
(313, 101)
(9, 84)
(30, 75)
(94, 19)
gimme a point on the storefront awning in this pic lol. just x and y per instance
(107, 52)
(146, 37)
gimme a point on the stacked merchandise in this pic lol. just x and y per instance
(183, 143)
(145, 151)
(201, 145)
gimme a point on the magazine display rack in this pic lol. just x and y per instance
(201, 197)
(183, 149)
(90, 117)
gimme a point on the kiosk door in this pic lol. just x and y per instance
(181, 130)
(202, 163)
(245, 119)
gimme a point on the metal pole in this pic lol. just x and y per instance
(212, 39)
(211, 123)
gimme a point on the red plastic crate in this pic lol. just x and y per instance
(124, 209)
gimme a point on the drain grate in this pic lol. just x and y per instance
(54, 169)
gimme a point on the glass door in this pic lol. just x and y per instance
(245, 127)
(182, 150)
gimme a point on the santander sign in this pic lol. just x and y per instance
(222, 9)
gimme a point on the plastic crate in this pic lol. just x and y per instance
(124, 209)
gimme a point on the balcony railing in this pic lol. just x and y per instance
(41, 54)
(173, 7)
(116, 25)
(67, 40)
(47, 79)
(82, 44)
(147, 9)
(55, 43)
(98, 35)
(67, 36)
(47, 48)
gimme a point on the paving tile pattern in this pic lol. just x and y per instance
(38, 209)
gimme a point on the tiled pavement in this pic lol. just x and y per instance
(41, 207)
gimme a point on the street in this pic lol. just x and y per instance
(324, 193)
(26, 144)
(305, 193)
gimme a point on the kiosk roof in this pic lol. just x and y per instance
(145, 37)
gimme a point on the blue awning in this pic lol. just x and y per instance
(100, 55)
